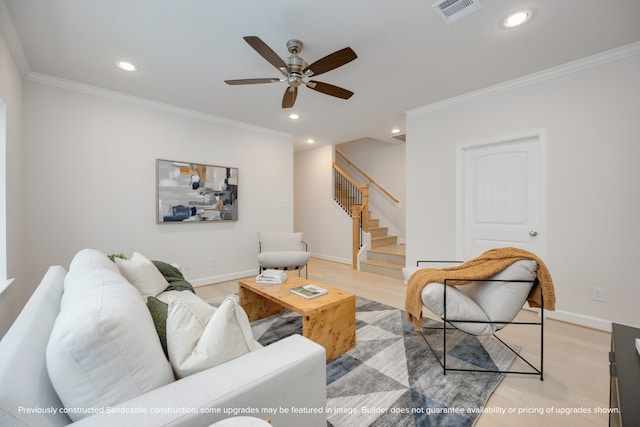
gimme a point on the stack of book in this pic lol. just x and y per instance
(275, 277)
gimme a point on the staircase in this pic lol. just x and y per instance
(386, 257)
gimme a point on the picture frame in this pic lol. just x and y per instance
(188, 192)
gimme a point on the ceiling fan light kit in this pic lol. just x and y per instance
(297, 72)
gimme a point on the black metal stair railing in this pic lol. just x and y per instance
(349, 195)
(345, 193)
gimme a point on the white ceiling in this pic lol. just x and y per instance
(408, 56)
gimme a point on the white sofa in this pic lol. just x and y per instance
(285, 381)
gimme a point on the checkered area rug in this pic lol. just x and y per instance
(392, 377)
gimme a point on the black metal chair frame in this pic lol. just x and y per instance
(446, 320)
(297, 267)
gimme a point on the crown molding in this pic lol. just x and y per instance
(10, 34)
(70, 85)
(551, 73)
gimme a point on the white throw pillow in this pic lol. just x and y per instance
(142, 274)
(459, 306)
(200, 337)
(103, 349)
(200, 308)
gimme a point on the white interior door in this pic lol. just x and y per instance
(501, 195)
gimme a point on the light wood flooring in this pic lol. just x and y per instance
(576, 367)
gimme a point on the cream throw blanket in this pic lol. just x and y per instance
(483, 267)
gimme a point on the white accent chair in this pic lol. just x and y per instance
(482, 307)
(283, 251)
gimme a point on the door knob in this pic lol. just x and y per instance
(533, 233)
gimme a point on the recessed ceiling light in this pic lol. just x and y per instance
(517, 18)
(396, 130)
(294, 116)
(126, 66)
(310, 141)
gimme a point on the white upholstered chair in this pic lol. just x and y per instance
(482, 307)
(283, 251)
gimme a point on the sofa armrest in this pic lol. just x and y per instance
(24, 380)
(285, 382)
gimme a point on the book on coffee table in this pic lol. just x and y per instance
(275, 277)
(308, 291)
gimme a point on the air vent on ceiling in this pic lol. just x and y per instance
(454, 10)
(402, 138)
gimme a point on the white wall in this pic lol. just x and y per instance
(385, 163)
(326, 226)
(89, 181)
(593, 146)
(11, 89)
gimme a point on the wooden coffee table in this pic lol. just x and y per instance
(329, 320)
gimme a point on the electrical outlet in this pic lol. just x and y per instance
(213, 263)
(186, 266)
(597, 294)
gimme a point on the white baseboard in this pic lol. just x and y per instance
(248, 273)
(331, 258)
(223, 278)
(579, 319)
(574, 318)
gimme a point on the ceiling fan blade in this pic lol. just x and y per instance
(289, 97)
(331, 61)
(266, 52)
(328, 89)
(250, 81)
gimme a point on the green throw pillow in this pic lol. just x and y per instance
(173, 276)
(159, 311)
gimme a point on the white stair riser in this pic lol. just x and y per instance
(381, 270)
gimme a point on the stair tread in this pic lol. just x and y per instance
(390, 249)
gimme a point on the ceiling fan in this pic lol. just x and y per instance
(295, 71)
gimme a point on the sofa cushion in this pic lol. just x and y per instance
(200, 336)
(103, 348)
(459, 306)
(92, 258)
(142, 274)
